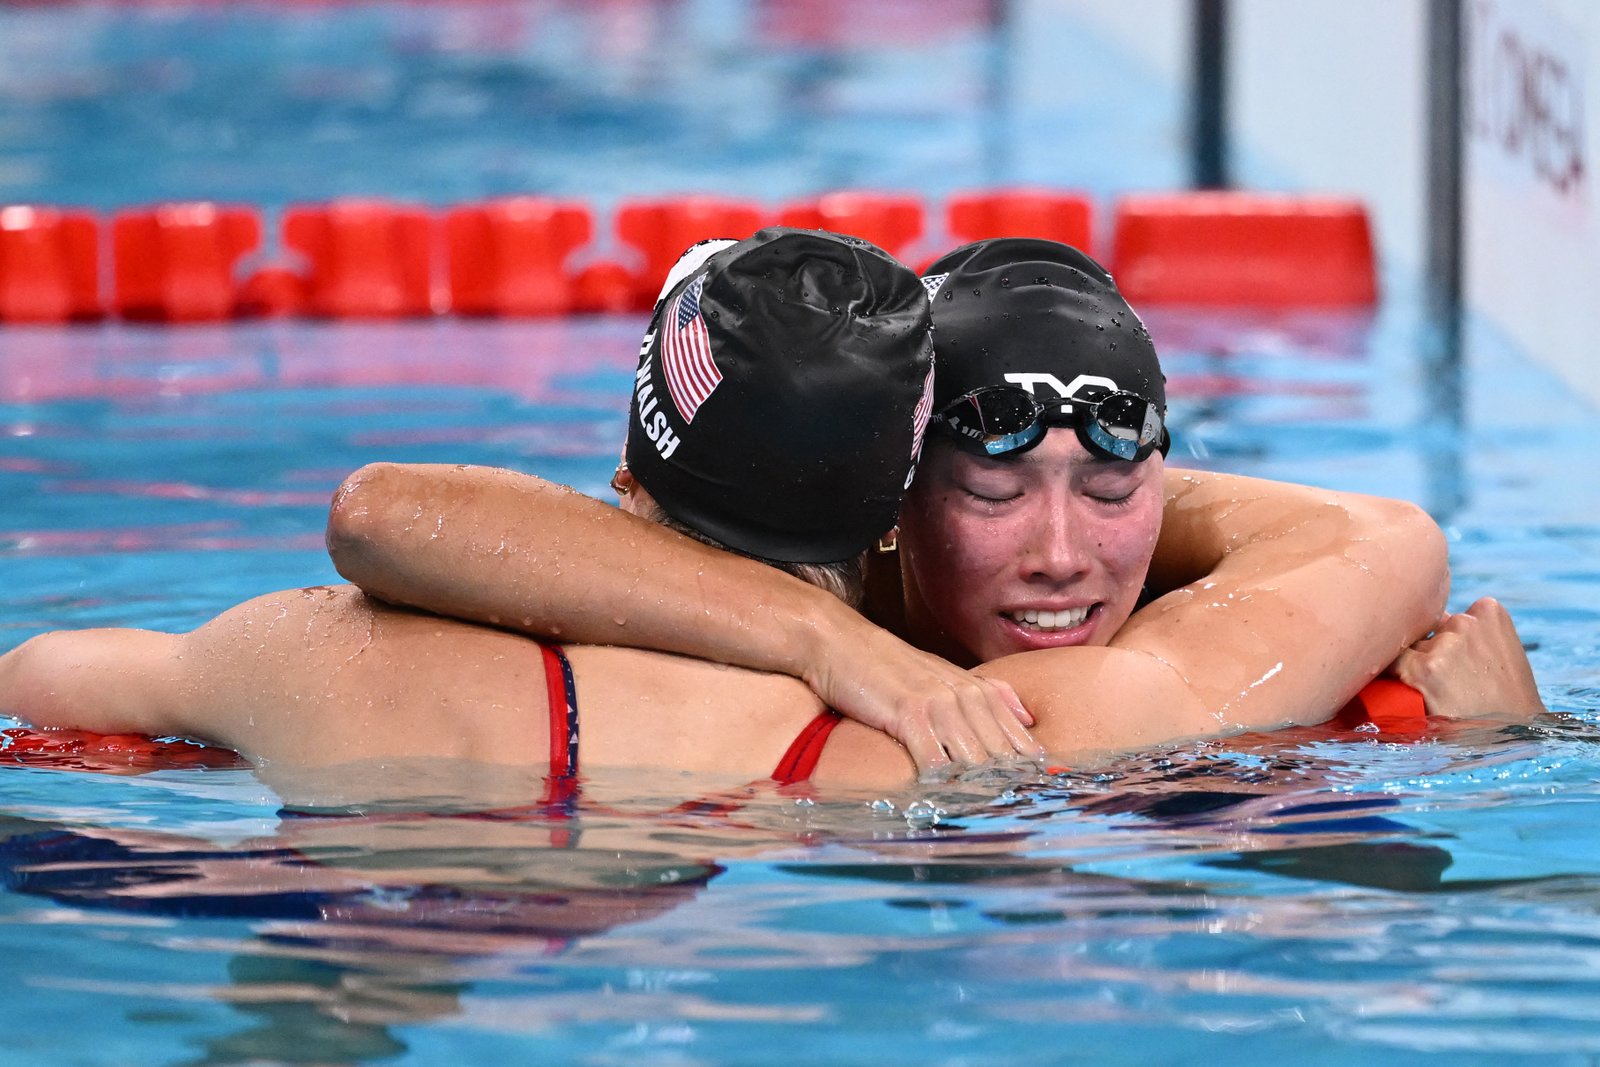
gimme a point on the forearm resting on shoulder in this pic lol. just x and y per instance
(511, 550)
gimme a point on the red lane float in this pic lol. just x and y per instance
(377, 259)
(49, 264)
(509, 257)
(272, 293)
(1390, 705)
(175, 262)
(659, 230)
(1057, 216)
(892, 221)
(80, 750)
(1244, 250)
(367, 258)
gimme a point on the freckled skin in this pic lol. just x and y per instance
(1053, 528)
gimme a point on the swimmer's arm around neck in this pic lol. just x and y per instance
(511, 550)
(1303, 596)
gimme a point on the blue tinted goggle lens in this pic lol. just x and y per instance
(1000, 420)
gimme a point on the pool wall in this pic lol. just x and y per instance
(1331, 95)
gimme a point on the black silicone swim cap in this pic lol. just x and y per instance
(781, 394)
(1039, 314)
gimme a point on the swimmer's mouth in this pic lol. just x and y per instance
(1050, 621)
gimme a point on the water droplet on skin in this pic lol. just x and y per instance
(1005, 283)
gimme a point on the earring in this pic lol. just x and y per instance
(621, 480)
(889, 542)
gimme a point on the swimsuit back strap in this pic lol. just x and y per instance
(800, 760)
(562, 694)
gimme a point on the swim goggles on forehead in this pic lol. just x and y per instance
(1006, 420)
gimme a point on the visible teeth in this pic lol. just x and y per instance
(1051, 620)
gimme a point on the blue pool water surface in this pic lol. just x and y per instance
(1308, 897)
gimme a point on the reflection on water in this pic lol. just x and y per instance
(1308, 882)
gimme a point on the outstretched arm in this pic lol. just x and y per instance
(304, 677)
(512, 550)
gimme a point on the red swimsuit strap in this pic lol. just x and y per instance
(563, 712)
(800, 760)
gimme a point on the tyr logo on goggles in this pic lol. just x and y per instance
(1004, 420)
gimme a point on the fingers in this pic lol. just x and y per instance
(1473, 666)
(1488, 608)
(966, 739)
(1014, 702)
(1013, 720)
(995, 715)
(1424, 662)
(926, 750)
(1410, 666)
(971, 722)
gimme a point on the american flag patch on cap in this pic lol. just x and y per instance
(919, 424)
(919, 417)
(686, 360)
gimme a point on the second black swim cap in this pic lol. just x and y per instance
(1039, 314)
(781, 393)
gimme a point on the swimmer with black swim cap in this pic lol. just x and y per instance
(781, 395)
(1031, 336)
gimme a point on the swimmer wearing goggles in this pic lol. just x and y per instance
(1007, 420)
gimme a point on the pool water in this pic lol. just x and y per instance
(1308, 896)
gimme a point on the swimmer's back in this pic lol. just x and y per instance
(318, 677)
(650, 709)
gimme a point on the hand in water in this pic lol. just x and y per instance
(1472, 666)
(942, 714)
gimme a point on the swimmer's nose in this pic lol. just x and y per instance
(1057, 550)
